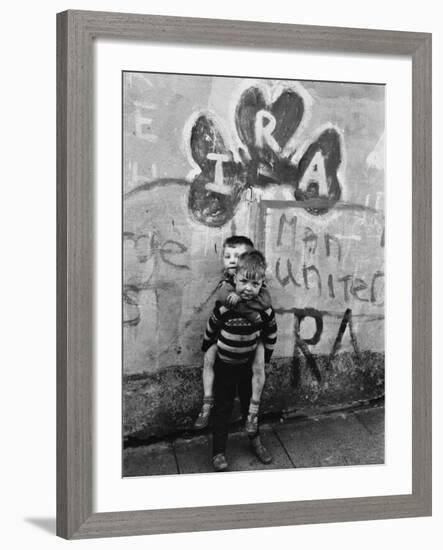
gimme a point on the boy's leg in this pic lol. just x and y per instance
(224, 393)
(258, 382)
(245, 392)
(208, 384)
(208, 370)
(244, 383)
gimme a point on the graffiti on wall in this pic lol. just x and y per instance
(267, 121)
(298, 168)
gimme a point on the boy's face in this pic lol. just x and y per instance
(245, 287)
(230, 256)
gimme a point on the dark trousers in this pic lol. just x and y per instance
(228, 379)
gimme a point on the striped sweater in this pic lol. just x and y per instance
(237, 337)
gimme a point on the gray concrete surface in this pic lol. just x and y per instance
(348, 437)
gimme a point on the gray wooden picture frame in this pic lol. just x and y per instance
(76, 31)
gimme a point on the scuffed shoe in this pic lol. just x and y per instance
(220, 463)
(252, 424)
(260, 451)
(202, 419)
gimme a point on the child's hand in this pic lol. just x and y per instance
(233, 299)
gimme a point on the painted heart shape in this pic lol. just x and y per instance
(217, 189)
(320, 200)
(266, 130)
(286, 113)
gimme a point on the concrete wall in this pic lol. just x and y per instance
(298, 167)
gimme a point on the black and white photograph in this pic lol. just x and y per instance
(221, 300)
(253, 270)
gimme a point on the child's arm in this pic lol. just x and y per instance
(230, 299)
(212, 328)
(260, 303)
(269, 333)
(227, 295)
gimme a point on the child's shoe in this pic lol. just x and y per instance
(203, 417)
(260, 451)
(252, 423)
(220, 463)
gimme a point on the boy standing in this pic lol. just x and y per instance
(233, 248)
(236, 338)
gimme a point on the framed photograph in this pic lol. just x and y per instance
(244, 274)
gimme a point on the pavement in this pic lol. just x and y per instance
(341, 438)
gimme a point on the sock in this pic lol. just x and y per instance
(208, 402)
(254, 406)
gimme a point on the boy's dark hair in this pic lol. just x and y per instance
(235, 240)
(252, 264)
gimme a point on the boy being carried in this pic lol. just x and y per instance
(237, 338)
(233, 248)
